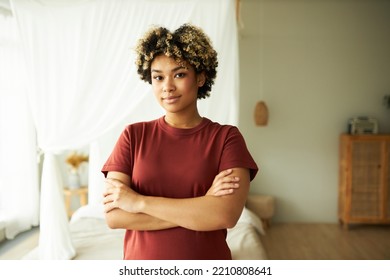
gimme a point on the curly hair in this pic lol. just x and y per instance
(188, 44)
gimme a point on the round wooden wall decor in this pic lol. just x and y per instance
(261, 114)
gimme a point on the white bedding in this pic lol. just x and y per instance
(94, 240)
(244, 239)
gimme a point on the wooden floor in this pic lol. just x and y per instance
(282, 242)
(23, 243)
(327, 242)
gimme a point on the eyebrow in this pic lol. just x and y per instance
(173, 70)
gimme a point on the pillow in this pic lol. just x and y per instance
(89, 211)
(248, 217)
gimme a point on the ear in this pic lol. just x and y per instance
(201, 78)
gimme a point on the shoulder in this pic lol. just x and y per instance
(226, 129)
(137, 130)
(139, 126)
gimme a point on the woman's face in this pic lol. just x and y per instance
(175, 86)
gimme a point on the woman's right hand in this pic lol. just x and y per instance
(224, 184)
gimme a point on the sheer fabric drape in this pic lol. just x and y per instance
(19, 191)
(83, 83)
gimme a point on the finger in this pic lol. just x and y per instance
(108, 207)
(109, 190)
(231, 186)
(227, 171)
(227, 186)
(223, 174)
(230, 179)
(226, 183)
(108, 199)
(224, 192)
(234, 178)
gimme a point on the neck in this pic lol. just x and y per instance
(183, 122)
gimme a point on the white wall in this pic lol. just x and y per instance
(315, 64)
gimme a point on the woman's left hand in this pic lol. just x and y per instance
(119, 195)
(224, 184)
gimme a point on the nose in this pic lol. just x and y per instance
(168, 85)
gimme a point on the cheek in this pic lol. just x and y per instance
(156, 88)
(190, 84)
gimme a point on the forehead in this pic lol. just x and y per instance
(163, 62)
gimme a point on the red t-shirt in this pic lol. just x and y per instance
(177, 163)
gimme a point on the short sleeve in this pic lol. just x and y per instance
(121, 157)
(236, 154)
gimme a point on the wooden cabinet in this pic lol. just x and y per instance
(364, 179)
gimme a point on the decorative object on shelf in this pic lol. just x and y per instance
(363, 125)
(80, 193)
(261, 114)
(74, 179)
(74, 160)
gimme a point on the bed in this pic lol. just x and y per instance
(94, 240)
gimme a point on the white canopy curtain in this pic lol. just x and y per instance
(83, 84)
(19, 192)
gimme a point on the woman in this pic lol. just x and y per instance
(177, 183)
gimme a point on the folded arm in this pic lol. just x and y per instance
(119, 218)
(219, 208)
(201, 213)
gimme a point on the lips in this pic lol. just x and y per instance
(171, 99)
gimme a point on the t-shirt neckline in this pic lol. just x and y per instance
(182, 131)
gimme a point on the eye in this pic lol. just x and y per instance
(180, 75)
(157, 78)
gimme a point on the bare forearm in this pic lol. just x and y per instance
(210, 212)
(118, 218)
(204, 213)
